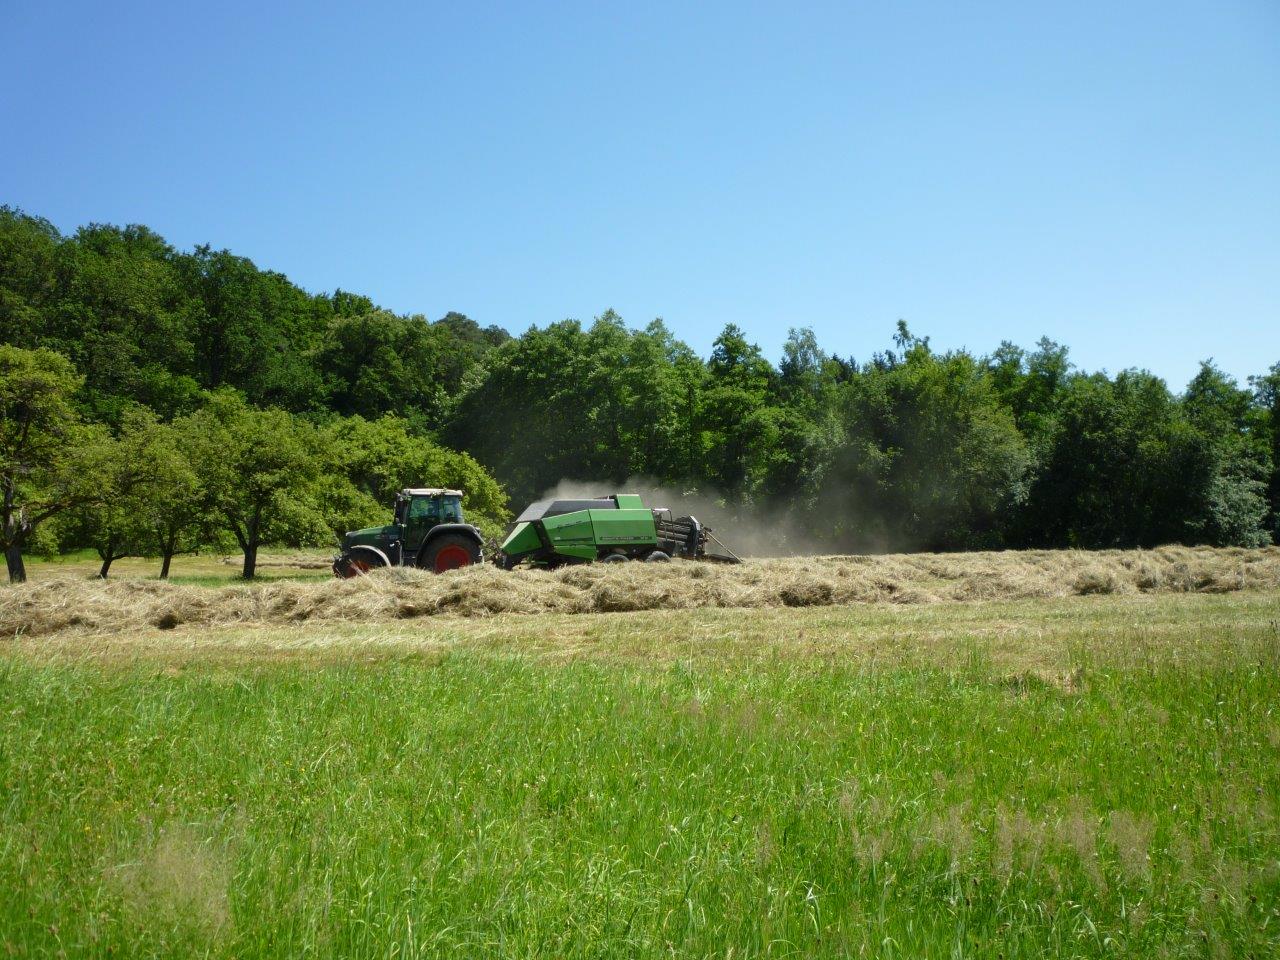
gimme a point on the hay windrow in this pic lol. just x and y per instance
(52, 606)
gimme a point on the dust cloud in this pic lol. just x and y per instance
(748, 531)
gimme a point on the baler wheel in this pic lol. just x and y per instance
(657, 557)
(615, 558)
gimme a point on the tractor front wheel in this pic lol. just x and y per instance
(355, 565)
(449, 552)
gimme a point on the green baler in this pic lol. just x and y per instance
(613, 529)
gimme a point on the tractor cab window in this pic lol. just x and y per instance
(450, 510)
(424, 509)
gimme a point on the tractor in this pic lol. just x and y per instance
(428, 532)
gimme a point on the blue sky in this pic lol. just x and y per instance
(1107, 174)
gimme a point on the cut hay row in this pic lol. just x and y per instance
(112, 606)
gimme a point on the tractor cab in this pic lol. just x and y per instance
(418, 511)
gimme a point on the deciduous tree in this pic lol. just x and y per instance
(49, 458)
(261, 472)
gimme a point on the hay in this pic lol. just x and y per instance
(52, 606)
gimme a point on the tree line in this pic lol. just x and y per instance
(266, 414)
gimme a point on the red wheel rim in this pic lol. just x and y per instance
(451, 558)
(357, 568)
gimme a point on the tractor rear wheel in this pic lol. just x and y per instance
(449, 551)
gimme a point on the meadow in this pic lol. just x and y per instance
(1090, 773)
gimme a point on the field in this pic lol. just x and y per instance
(206, 569)
(997, 755)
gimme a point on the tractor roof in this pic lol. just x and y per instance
(430, 492)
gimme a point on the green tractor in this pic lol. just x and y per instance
(428, 531)
(612, 529)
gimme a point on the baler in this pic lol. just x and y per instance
(613, 529)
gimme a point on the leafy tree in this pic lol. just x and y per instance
(809, 430)
(376, 459)
(30, 268)
(737, 418)
(621, 400)
(124, 318)
(1125, 467)
(347, 304)
(496, 419)
(261, 472)
(176, 520)
(151, 503)
(930, 458)
(376, 363)
(112, 524)
(1266, 390)
(112, 528)
(1030, 385)
(1128, 464)
(49, 458)
(464, 344)
(254, 330)
(738, 428)
(169, 499)
(1216, 404)
(636, 396)
(1234, 508)
(805, 374)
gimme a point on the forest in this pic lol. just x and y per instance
(155, 401)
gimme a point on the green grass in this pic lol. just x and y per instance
(204, 569)
(1107, 798)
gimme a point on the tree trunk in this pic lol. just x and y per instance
(168, 547)
(17, 569)
(107, 554)
(250, 543)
